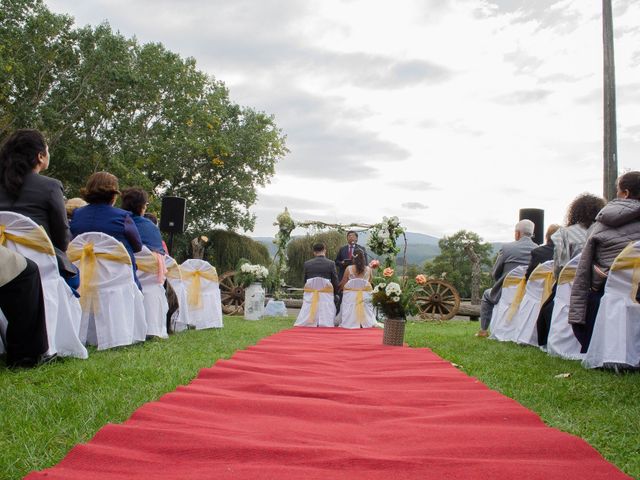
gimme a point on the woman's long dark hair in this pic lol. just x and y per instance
(18, 157)
(358, 261)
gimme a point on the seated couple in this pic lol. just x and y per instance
(320, 277)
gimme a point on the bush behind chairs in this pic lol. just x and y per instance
(299, 251)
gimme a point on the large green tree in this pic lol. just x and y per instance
(454, 263)
(140, 111)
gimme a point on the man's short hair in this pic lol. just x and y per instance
(352, 231)
(319, 247)
(525, 227)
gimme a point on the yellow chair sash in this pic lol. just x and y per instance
(154, 265)
(88, 265)
(315, 299)
(567, 275)
(626, 262)
(511, 282)
(360, 313)
(548, 278)
(194, 295)
(517, 298)
(35, 239)
(173, 271)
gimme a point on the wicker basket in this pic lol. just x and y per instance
(394, 331)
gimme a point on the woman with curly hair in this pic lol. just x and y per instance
(567, 243)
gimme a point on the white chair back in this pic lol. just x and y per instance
(318, 308)
(151, 275)
(616, 332)
(180, 318)
(502, 326)
(112, 305)
(203, 293)
(62, 309)
(538, 289)
(561, 341)
(356, 310)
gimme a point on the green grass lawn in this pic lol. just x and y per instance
(46, 411)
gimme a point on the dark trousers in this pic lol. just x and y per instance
(584, 331)
(22, 303)
(544, 318)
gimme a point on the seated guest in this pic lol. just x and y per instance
(23, 155)
(22, 302)
(542, 253)
(568, 242)
(72, 205)
(510, 256)
(617, 224)
(321, 266)
(100, 215)
(136, 200)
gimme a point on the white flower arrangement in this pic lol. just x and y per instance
(382, 238)
(253, 273)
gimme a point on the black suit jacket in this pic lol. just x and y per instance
(343, 256)
(322, 267)
(42, 201)
(539, 255)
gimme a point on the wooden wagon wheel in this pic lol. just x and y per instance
(231, 294)
(437, 300)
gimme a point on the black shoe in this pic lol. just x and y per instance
(30, 362)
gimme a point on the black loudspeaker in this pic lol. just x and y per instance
(536, 215)
(172, 214)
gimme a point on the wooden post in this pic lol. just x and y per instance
(197, 247)
(610, 136)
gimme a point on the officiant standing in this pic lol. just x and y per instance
(345, 254)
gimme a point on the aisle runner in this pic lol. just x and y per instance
(332, 404)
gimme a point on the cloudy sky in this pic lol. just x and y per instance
(450, 114)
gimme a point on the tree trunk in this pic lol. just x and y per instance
(475, 274)
(197, 248)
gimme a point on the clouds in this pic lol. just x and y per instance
(411, 109)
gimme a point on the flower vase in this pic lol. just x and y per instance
(394, 331)
(254, 302)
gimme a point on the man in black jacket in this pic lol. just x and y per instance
(321, 266)
(345, 254)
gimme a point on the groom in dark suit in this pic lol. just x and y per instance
(321, 266)
(345, 254)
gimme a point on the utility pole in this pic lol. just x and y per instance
(610, 136)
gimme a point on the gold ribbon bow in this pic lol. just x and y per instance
(35, 239)
(548, 278)
(360, 313)
(626, 262)
(154, 265)
(173, 271)
(88, 265)
(567, 275)
(315, 299)
(517, 298)
(194, 295)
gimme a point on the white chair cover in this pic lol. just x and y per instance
(616, 332)
(318, 308)
(154, 295)
(116, 317)
(539, 287)
(180, 318)
(561, 341)
(502, 326)
(356, 309)
(62, 309)
(207, 311)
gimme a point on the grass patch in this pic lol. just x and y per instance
(44, 412)
(601, 407)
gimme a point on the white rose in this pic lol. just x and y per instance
(395, 299)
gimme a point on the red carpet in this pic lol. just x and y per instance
(332, 404)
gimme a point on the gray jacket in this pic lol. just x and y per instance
(617, 224)
(510, 256)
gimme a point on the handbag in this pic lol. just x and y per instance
(65, 267)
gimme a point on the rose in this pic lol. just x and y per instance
(421, 279)
(374, 263)
(387, 272)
